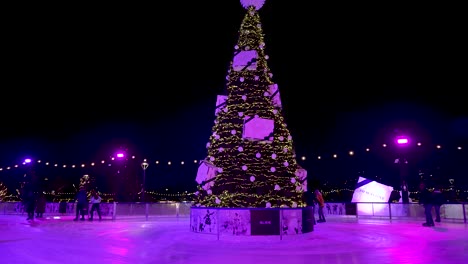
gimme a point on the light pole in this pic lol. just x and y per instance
(403, 162)
(144, 166)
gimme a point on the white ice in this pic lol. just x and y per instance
(168, 240)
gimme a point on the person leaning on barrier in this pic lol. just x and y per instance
(438, 200)
(425, 198)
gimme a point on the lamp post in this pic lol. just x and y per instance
(403, 166)
(144, 166)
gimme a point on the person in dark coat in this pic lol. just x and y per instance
(81, 204)
(425, 198)
(438, 200)
(40, 205)
(29, 201)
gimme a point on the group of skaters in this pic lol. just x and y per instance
(33, 203)
(36, 204)
(82, 204)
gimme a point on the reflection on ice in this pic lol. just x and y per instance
(170, 240)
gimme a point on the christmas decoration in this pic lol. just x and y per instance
(257, 4)
(206, 173)
(250, 140)
(258, 128)
(220, 103)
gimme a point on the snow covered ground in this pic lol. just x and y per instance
(168, 240)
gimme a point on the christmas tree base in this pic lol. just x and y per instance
(252, 221)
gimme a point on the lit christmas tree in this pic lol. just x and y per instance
(251, 160)
(3, 192)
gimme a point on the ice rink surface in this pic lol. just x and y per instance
(169, 240)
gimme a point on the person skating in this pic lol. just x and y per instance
(425, 198)
(95, 201)
(82, 203)
(321, 204)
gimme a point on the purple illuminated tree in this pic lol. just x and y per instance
(251, 160)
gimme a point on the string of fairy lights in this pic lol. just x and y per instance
(109, 162)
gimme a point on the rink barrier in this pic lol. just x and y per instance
(453, 212)
(108, 210)
(246, 222)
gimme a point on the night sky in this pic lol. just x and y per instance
(79, 82)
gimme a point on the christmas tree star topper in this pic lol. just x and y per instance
(256, 3)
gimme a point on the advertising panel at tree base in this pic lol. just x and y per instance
(265, 222)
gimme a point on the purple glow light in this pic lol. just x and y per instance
(120, 155)
(402, 141)
(27, 161)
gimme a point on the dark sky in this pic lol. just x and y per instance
(79, 81)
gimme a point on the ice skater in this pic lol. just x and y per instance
(29, 201)
(438, 201)
(425, 198)
(95, 201)
(321, 204)
(81, 205)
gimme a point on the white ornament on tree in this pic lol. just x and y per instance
(273, 156)
(293, 180)
(233, 132)
(244, 97)
(244, 167)
(268, 205)
(258, 155)
(220, 170)
(252, 178)
(212, 158)
(272, 169)
(281, 138)
(277, 188)
(209, 192)
(294, 205)
(217, 200)
(240, 149)
(286, 163)
(241, 114)
(241, 79)
(221, 149)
